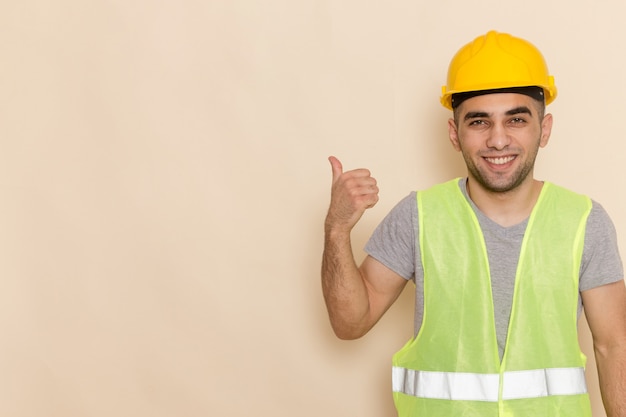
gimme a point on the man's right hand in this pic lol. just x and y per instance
(352, 193)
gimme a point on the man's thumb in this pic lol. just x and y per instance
(336, 166)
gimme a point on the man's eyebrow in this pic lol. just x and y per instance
(519, 110)
(475, 115)
(480, 114)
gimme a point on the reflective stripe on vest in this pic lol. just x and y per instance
(484, 387)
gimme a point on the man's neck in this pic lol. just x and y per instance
(506, 208)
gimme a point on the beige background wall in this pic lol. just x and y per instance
(164, 181)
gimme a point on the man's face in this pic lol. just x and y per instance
(499, 136)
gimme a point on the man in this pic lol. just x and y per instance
(502, 262)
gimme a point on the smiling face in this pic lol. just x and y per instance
(499, 136)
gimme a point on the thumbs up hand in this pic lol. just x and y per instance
(352, 193)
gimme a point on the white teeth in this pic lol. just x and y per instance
(500, 161)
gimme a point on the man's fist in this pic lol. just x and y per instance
(352, 193)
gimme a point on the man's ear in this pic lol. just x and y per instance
(453, 134)
(546, 130)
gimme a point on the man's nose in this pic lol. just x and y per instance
(498, 137)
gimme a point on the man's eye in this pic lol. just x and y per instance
(477, 123)
(518, 120)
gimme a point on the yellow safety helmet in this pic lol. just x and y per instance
(497, 61)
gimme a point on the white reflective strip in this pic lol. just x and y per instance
(446, 385)
(543, 383)
(484, 387)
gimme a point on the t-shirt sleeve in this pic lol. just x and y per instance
(601, 262)
(393, 241)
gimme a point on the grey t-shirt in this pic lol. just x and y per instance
(394, 244)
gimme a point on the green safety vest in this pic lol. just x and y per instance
(452, 367)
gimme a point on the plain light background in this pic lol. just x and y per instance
(164, 181)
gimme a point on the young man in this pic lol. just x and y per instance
(502, 262)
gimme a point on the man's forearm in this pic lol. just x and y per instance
(611, 364)
(344, 290)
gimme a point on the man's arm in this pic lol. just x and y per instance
(605, 309)
(356, 297)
